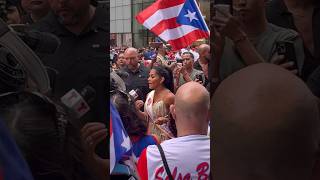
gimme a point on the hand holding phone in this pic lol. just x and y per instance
(285, 56)
(286, 48)
(199, 77)
(226, 24)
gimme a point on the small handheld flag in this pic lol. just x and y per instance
(120, 143)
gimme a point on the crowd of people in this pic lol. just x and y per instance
(158, 86)
(57, 132)
(265, 103)
(258, 89)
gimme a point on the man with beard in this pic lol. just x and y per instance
(81, 58)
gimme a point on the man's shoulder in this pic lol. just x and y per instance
(196, 71)
(144, 69)
(282, 33)
(176, 148)
(180, 142)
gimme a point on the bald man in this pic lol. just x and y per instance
(204, 58)
(202, 64)
(265, 126)
(188, 155)
(138, 73)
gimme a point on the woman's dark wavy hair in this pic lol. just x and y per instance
(127, 111)
(166, 73)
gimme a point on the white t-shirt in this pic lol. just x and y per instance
(188, 157)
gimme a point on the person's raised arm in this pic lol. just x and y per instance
(230, 27)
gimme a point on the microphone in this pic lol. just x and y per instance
(40, 42)
(78, 103)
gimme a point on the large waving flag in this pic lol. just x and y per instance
(120, 143)
(178, 22)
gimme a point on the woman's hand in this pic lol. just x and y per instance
(92, 134)
(161, 120)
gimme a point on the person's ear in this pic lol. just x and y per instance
(173, 111)
(162, 80)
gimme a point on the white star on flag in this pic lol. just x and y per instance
(126, 142)
(191, 15)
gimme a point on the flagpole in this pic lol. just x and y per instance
(201, 15)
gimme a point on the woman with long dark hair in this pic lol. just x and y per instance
(158, 101)
(135, 127)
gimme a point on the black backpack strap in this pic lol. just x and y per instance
(164, 160)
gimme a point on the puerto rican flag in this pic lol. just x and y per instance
(120, 144)
(178, 22)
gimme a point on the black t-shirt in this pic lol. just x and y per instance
(138, 80)
(197, 66)
(80, 60)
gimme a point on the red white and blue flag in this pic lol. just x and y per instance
(178, 22)
(120, 144)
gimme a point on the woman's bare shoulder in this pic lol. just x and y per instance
(168, 98)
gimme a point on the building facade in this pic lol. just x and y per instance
(126, 31)
(120, 23)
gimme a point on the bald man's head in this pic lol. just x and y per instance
(131, 57)
(265, 126)
(204, 51)
(191, 106)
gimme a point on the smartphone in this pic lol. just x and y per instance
(286, 48)
(199, 77)
(179, 61)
